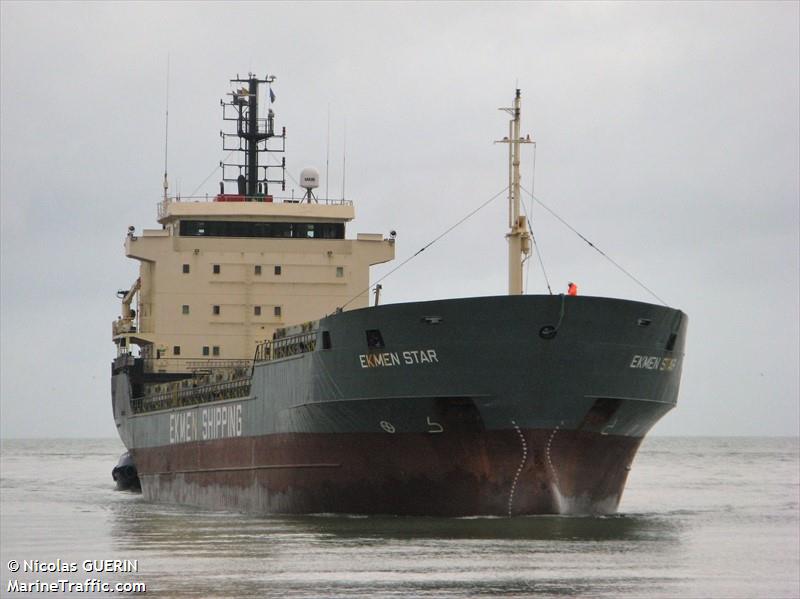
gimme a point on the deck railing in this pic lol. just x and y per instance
(287, 346)
(164, 204)
(193, 365)
(191, 396)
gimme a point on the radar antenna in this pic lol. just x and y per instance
(309, 180)
(252, 137)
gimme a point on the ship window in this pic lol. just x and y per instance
(340, 271)
(216, 269)
(257, 269)
(185, 269)
(215, 350)
(185, 309)
(215, 310)
(305, 230)
(277, 311)
(205, 350)
(278, 269)
(190, 228)
(257, 310)
(176, 350)
(375, 339)
(332, 231)
(326, 339)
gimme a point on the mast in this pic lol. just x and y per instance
(519, 238)
(251, 138)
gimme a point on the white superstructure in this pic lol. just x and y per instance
(224, 274)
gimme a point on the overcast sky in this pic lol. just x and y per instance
(666, 133)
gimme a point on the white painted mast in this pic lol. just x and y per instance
(519, 239)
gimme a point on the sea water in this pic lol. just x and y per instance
(701, 517)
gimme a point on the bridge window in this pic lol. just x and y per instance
(194, 228)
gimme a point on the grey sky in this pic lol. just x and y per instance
(667, 134)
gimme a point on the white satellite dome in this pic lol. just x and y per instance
(309, 178)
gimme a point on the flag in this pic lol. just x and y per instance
(271, 95)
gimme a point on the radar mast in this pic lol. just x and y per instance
(252, 138)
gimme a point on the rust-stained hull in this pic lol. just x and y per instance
(504, 473)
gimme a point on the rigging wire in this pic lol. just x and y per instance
(594, 247)
(530, 226)
(539, 255)
(216, 168)
(285, 172)
(211, 174)
(526, 259)
(533, 237)
(425, 247)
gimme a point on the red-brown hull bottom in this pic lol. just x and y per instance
(503, 473)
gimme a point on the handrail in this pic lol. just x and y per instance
(163, 205)
(193, 364)
(191, 396)
(286, 346)
(259, 200)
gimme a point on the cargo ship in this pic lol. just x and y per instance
(252, 373)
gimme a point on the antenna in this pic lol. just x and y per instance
(344, 157)
(166, 135)
(328, 152)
